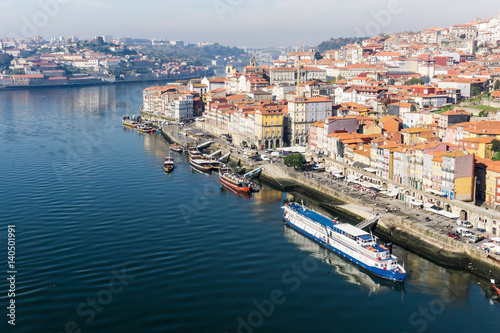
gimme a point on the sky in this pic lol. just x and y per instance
(251, 23)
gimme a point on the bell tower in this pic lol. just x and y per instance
(253, 62)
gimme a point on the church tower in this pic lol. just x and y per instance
(253, 62)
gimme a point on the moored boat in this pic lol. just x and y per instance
(216, 165)
(200, 164)
(145, 129)
(194, 153)
(177, 148)
(232, 180)
(129, 123)
(253, 174)
(168, 165)
(346, 240)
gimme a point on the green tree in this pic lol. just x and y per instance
(476, 91)
(497, 85)
(414, 81)
(294, 160)
(495, 145)
(5, 61)
(483, 113)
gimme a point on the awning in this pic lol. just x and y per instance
(360, 165)
(448, 214)
(334, 171)
(416, 203)
(436, 192)
(392, 194)
(372, 170)
(428, 205)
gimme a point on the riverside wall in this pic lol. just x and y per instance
(437, 247)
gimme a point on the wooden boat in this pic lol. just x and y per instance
(233, 181)
(253, 174)
(195, 153)
(145, 129)
(200, 164)
(177, 148)
(216, 165)
(168, 165)
(129, 123)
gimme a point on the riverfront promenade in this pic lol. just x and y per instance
(420, 230)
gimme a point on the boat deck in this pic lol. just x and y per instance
(314, 216)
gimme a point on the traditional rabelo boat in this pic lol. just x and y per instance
(233, 181)
(168, 165)
(177, 148)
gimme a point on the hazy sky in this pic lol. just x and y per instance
(254, 23)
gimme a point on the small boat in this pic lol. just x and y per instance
(129, 123)
(177, 148)
(168, 165)
(200, 164)
(253, 174)
(233, 181)
(145, 129)
(346, 240)
(254, 187)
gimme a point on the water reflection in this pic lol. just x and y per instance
(267, 194)
(351, 273)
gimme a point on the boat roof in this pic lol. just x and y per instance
(352, 230)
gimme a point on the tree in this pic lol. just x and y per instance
(476, 91)
(483, 113)
(294, 160)
(497, 85)
(414, 81)
(495, 145)
(5, 60)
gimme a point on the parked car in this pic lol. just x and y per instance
(464, 223)
(453, 235)
(463, 232)
(265, 157)
(476, 238)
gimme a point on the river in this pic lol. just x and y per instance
(107, 242)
